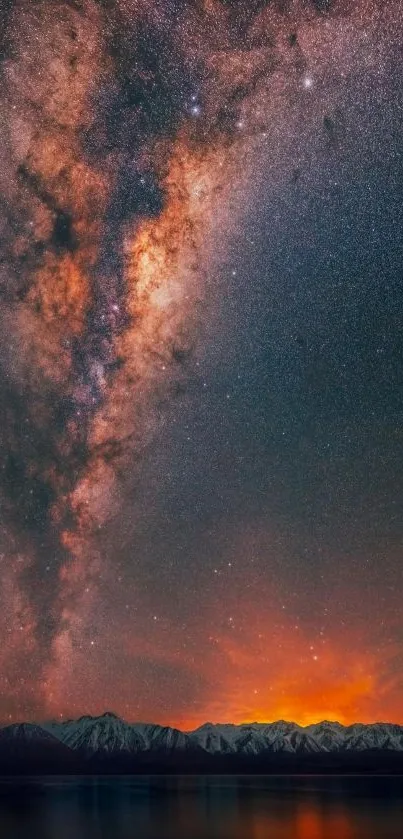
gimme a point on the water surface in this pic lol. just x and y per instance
(202, 808)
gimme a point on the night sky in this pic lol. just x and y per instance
(201, 360)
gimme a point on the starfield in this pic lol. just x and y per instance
(201, 314)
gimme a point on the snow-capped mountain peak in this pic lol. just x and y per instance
(109, 735)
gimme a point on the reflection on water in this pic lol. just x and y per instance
(202, 808)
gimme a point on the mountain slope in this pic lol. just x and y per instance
(32, 747)
(109, 740)
(108, 734)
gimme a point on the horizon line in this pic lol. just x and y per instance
(65, 719)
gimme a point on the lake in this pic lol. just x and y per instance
(202, 808)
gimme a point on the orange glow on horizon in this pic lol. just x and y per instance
(276, 672)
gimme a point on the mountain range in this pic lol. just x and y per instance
(108, 743)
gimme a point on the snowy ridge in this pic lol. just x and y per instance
(256, 738)
(110, 735)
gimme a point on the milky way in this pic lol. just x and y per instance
(140, 144)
